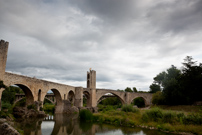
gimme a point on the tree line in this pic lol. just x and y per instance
(178, 86)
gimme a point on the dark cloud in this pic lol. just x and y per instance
(126, 42)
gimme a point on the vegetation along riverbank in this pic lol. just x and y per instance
(175, 121)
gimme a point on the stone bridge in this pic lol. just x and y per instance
(36, 89)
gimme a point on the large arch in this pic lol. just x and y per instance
(100, 96)
(28, 93)
(59, 102)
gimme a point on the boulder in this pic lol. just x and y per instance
(6, 129)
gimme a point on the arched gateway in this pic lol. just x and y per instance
(35, 89)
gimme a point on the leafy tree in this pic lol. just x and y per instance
(158, 98)
(134, 89)
(8, 95)
(128, 89)
(191, 80)
(154, 88)
(2, 85)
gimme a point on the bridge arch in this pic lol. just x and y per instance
(141, 98)
(71, 96)
(28, 93)
(110, 92)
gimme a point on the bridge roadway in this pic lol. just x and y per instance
(36, 89)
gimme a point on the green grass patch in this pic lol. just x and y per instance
(129, 108)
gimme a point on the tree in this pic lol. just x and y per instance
(154, 88)
(128, 89)
(158, 98)
(191, 80)
(134, 89)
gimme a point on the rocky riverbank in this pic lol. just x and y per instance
(6, 128)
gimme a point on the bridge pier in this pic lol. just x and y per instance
(78, 97)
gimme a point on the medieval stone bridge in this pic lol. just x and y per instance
(36, 89)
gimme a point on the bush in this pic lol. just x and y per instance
(6, 105)
(49, 108)
(21, 103)
(154, 114)
(157, 98)
(31, 107)
(169, 117)
(85, 115)
(3, 114)
(129, 108)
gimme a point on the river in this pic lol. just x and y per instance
(62, 124)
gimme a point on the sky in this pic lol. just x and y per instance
(127, 42)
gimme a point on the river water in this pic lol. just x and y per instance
(62, 124)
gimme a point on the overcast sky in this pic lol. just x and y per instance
(127, 42)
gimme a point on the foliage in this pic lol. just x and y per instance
(111, 101)
(85, 115)
(49, 108)
(21, 103)
(154, 88)
(8, 94)
(134, 89)
(139, 102)
(179, 87)
(154, 114)
(129, 108)
(32, 106)
(157, 98)
(128, 89)
(2, 84)
(6, 105)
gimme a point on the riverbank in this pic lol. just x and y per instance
(154, 118)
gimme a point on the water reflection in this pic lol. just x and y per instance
(61, 124)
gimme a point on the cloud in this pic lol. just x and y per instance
(126, 42)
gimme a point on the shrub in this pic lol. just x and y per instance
(21, 103)
(49, 108)
(31, 107)
(157, 98)
(85, 115)
(6, 105)
(154, 114)
(129, 108)
(169, 117)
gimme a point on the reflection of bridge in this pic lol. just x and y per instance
(36, 89)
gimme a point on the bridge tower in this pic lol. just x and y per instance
(91, 84)
(3, 58)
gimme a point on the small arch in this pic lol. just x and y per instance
(71, 96)
(86, 98)
(139, 102)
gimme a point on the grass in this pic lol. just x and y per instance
(166, 120)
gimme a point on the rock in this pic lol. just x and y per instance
(2, 121)
(41, 114)
(6, 129)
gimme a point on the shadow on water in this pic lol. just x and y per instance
(61, 124)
